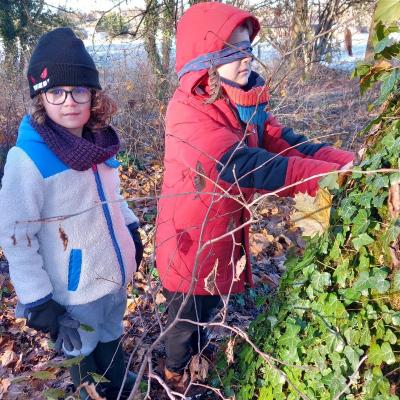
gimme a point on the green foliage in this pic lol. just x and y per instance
(128, 160)
(335, 324)
(21, 24)
(113, 23)
(54, 394)
(387, 11)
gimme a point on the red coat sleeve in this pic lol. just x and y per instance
(279, 139)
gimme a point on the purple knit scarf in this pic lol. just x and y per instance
(79, 153)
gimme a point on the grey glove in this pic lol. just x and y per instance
(68, 334)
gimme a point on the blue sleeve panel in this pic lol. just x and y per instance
(293, 139)
(244, 164)
(34, 146)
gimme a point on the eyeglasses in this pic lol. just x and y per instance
(57, 96)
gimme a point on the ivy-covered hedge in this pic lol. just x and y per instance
(335, 321)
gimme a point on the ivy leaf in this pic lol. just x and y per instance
(382, 44)
(394, 178)
(361, 70)
(337, 383)
(362, 282)
(341, 273)
(320, 280)
(378, 280)
(390, 337)
(393, 233)
(387, 11)
(363, 261)
(396, 319)
(387, 354)
(365, 337)
(388, 84)
(353, 356)
(379, 200)
(346, 210)
(334, 307)
(329, 182)
(362, 240)
(290, 338)
(334, 342)
(380, 331)
(380, 182)
(375, 354)
(350, 295)
(360, 222)
(388, 141)
(364, 199)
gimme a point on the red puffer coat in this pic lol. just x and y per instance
(194, 212)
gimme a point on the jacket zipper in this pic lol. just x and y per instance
(108, 218)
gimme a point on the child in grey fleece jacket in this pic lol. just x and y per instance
(70, 272)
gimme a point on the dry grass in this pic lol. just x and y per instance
(328, 103)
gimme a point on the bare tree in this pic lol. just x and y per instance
(159, 19)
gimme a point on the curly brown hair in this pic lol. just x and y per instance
(102, 109)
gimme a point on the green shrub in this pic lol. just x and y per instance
(335, 322)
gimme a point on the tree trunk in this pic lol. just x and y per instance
(151, 24)
(369, 52)
(168, 31)
(325, 23)
(300, 35)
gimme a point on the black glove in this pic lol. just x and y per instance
(44, 318)
(133, 229)
(68, 334)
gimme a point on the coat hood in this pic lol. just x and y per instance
(204, 28)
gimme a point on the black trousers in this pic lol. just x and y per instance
(186, 339)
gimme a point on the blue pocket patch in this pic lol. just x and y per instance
(74, 269)
(112, 162)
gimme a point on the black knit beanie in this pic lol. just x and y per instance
(60, 59)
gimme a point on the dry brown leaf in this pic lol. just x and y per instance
(91, 391)
(160, 298)
(259, 242)
(394, 200)
(394, 249)
(210, 280)
(231, 225)
(199, 179)
(8, 358)
(312, 214)
(240, 266)
(229, 351)
(198, 368)
(271, 280)
(63, 237)
(4, 385)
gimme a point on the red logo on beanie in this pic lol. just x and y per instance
(43, 75)
(32, 79)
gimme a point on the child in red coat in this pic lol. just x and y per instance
(221, 146)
